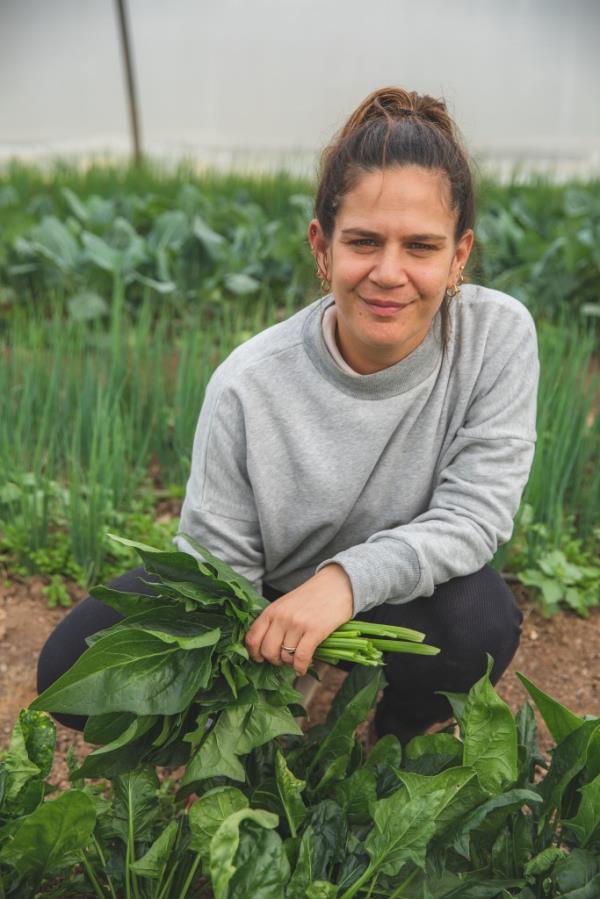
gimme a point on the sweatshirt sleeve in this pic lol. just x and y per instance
(478, 489)
(219, 509)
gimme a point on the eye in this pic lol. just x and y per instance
(362, 241)
(417, 245)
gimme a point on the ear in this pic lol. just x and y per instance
(319, 245)
(461, 256)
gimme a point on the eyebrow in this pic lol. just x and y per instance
(367, 233)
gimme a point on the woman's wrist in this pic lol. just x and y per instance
(336, 583)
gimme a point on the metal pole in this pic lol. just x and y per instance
(131, 93)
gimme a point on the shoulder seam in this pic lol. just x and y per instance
(256, 362)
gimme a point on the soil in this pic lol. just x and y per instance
(561, 656)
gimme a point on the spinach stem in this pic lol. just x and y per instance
(130, 854)
(372, 887)
(357, 885)
(397, 894)
(92, 877)
(190, 877)
(380, 630)
(103, 863)
(167, 887)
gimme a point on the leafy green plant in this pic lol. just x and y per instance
(56, 592)
(445, 817)
(563, 575)
(560, 580)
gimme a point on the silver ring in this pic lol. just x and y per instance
(287, 649)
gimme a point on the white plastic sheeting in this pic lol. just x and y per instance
(259, 82)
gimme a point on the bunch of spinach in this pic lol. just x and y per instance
(172, 683)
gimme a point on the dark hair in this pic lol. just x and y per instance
(394, 127)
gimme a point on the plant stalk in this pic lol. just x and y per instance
(92, 877)
(190, 877)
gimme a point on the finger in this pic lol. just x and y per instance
(304, 654)
(270, 647)
(292, 639)
(254, 636)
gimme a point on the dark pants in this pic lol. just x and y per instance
(466, 617)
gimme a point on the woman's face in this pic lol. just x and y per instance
(390, 260)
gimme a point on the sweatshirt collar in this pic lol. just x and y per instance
(391, 381)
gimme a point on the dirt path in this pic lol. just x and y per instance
(561, 656)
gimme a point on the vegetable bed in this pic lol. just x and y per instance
(309, 815)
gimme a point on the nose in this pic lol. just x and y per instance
(389, 268)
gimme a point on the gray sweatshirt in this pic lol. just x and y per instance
(406, 478)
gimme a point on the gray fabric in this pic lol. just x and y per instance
(407, 477)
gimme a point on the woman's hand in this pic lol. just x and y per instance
(301, 619)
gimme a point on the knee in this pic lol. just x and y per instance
(491, 617)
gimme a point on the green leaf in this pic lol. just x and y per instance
(125, 603)
(208, 812)
(578, 875)
(321, 846)
(241, 284)
(543, 861)
(351, 705)
(490, 736)
(432, 753)
(320, 889)
(586, 823)
(357, 793)
(152, 864)
(238, 729)
(161, 287)
(171, 624)
(108, 760)
(402, 830)
(51, 838)
(527, 736)
(100, 253)
(303, 873)
(559, 720)
(129, 671)
(242, 587)
(39, 732)
(508, 802)
(17, 763)
(135, 794)
(75, 205)
(86, 306)
(568, 759)
(458, 788)
(386, 751)
(224, 846)
(52, 240)
(212, 242)
(100, 729)
(290, 791)
(458, 702)
(262, 867)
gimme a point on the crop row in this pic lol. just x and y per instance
(263, 810)
(120, 292)
(87, 238)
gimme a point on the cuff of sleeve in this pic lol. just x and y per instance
(375, 582)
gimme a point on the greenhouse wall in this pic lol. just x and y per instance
(269, 80)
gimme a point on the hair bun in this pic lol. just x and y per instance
(393, 103)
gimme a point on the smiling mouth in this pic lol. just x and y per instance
(382, 304)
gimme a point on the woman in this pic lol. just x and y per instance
(366, 457)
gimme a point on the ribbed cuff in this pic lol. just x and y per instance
(379, 574)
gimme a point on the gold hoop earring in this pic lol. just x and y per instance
(325, 285)
(454, 291)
